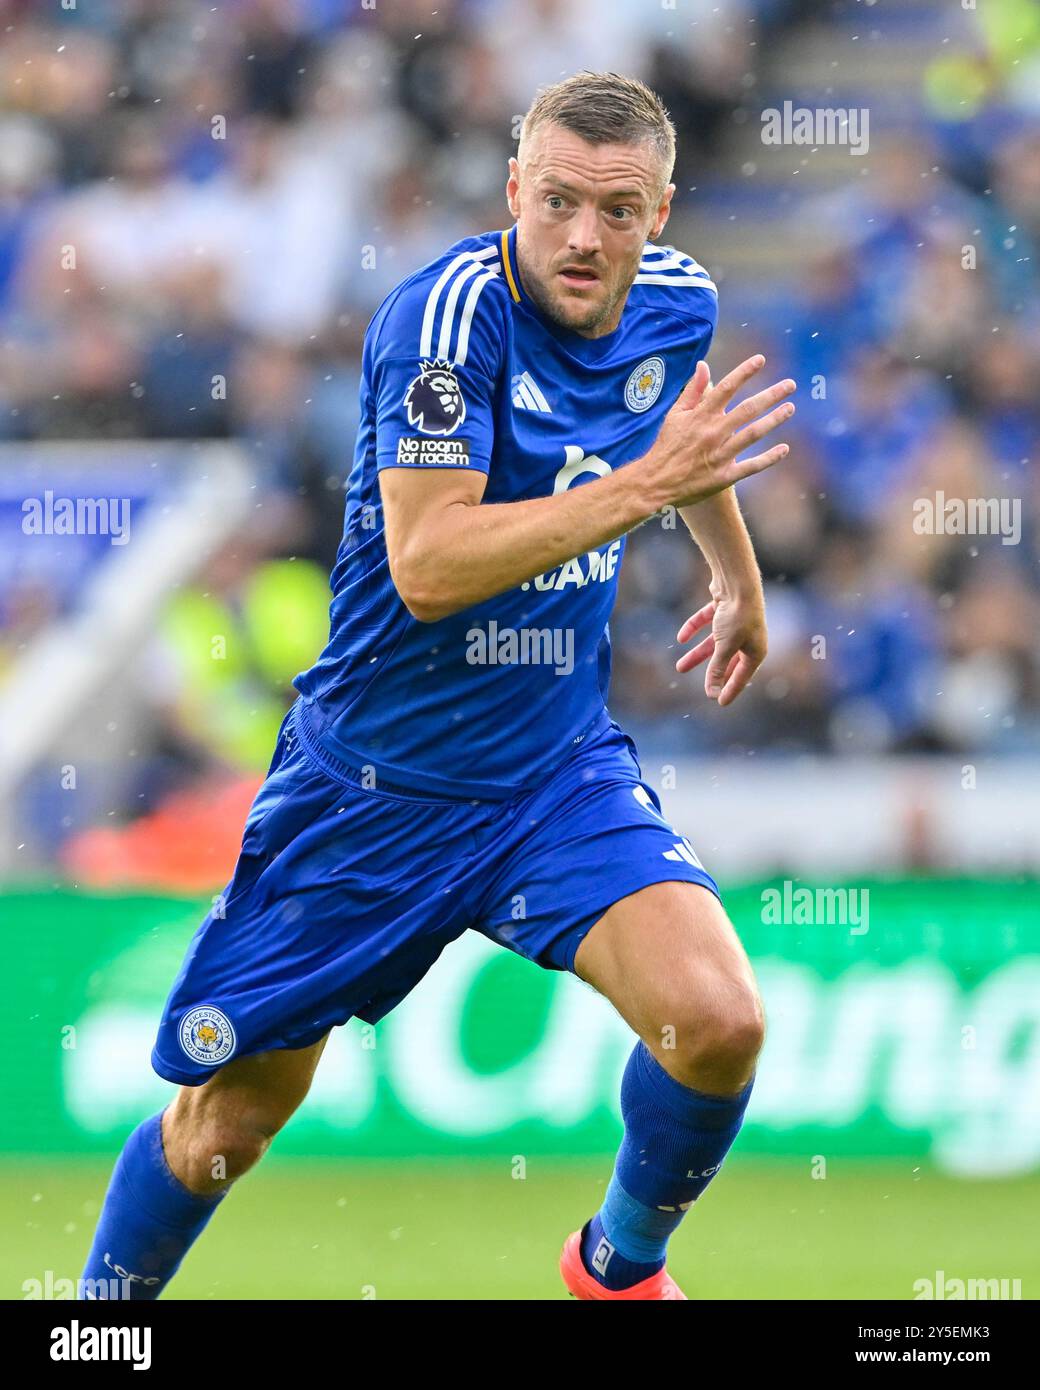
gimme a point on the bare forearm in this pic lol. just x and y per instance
(718, 529)
(449, 550)
(473, 552)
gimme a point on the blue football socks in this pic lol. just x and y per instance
(675, 1141)
(148, 1222)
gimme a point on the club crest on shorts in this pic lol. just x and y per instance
(644, 385)
(207, 1036)
(434, 399)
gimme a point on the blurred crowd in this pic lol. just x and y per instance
(202, 204)
(900, 541)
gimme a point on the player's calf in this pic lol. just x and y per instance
(669, 960)
(177, 1167)
(212, 1134)
(208, 1152)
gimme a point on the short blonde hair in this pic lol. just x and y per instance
(605, 108)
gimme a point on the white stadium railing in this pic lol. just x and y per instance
(207, 493)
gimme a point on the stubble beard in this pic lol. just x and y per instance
(596, 316)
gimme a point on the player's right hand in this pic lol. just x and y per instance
(695, 453)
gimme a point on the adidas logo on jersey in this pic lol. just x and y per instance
(527, 394)
(683, 850)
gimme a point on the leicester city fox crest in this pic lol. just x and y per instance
(434, 399)
(207, 1035)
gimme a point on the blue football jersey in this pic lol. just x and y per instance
(461, 370)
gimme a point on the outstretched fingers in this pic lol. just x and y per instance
(754, 405)
(700, 619)
(695, 655)
(738, 469)
(694, 390)
(727, 388)
(744, 438)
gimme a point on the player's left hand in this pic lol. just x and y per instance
(736, 645)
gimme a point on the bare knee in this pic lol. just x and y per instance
(209, 1142)
(214, 1133)
(670, 961)
(710, 1032)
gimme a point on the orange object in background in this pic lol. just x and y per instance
(189, 845)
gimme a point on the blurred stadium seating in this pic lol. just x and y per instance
(237, 220)
(201, 206)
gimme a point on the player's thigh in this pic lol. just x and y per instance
(252, 1095)
(670, 961)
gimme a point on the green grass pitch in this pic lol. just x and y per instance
(449, 1229)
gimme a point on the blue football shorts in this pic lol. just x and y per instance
(344, 895)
